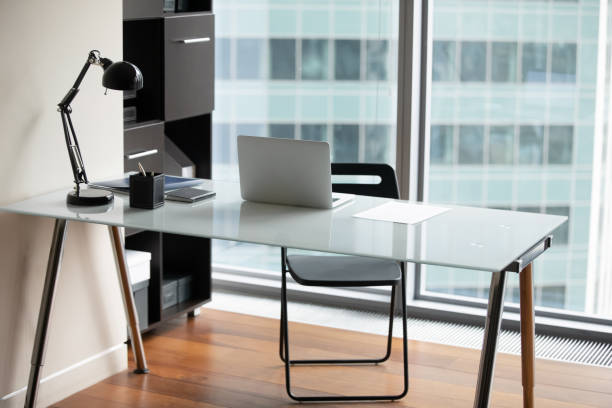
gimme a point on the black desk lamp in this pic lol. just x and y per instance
(121, 76)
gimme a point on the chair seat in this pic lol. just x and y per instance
(311, 270)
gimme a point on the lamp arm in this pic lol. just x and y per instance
(92, 59)
(74, 151)
(72, 144)
(72, 92)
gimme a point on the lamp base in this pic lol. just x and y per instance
(89, 197)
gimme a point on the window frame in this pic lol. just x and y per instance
(412, 165)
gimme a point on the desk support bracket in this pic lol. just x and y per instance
(44, 314)
(530, 255)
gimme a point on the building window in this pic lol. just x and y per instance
(441, 144)
(473, 61)
(563, 64)
(529, 208)
(444, 66)
(223, 59)
(314, 59)
(251, 129)
(551, 296)
(222, 141)
(346, 143)
(377, 143)
(560, 144)
(249, 58)
(282, 59)
(281, 131)
(531, 144)
(376, 59)
(317, 133)
(347, 59)
(501, 144)
(534, 62)
(503, 62)
(471, 144)
(561, 234)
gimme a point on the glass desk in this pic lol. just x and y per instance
(465, 237)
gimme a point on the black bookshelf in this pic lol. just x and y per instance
(172, 42)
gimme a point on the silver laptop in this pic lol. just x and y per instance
(285, 171)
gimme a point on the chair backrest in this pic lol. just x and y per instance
(387, 187)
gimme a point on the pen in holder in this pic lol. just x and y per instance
(147, 191)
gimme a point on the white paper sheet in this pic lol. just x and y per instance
(404, 213)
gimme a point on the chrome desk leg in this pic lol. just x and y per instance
(46, 304)
(487, 356)
(128, 301)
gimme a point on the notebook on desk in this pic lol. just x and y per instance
(122, 185)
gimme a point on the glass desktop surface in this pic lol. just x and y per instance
(464, 237)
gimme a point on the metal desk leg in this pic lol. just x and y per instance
(46, 304)
(527, 336)
(128, 301)
(493, 323)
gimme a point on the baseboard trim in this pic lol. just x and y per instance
(70, 368)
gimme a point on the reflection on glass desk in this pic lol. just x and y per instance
(464, 237)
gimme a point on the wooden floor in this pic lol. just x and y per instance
(224, 359)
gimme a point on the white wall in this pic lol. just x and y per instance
(43, 46)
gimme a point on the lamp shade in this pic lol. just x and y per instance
(122, 76)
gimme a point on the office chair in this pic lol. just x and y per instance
(347, 271)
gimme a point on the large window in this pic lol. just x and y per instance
(513, 124)
(512, 127)
(308, 70)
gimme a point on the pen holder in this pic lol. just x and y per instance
(147, 191)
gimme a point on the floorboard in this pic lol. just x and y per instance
(223, 359)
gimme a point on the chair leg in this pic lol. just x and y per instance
(288, 362)
(282, 313)
(404, 330)
(281, 342)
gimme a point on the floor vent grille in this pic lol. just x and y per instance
(547, 347)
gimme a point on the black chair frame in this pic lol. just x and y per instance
(385, 172)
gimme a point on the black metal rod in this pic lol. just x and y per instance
(390, 333)
(489, 346)
(78, 156)
(404, 330)
(68, 138)
(46, 306)
(281, 342)
(92, 58)
(284, 347)
(285, 331)
(347, 361)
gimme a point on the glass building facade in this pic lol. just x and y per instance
(303, 69)
(512, 127)
(512, 110)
